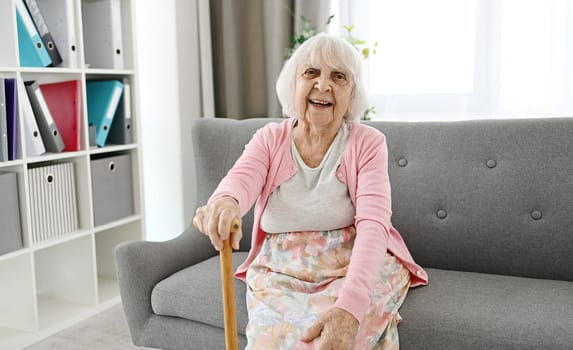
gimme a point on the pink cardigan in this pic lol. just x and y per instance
(267, 162)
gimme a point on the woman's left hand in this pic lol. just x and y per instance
(337, 329)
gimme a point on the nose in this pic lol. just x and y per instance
(322, 83)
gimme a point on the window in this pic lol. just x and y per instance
(465, 59)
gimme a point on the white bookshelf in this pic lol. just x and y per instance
(48, 286)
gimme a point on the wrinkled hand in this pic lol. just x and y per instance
(336, 328)
(214, 220)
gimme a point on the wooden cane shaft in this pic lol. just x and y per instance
(228, 286)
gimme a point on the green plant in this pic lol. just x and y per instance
(308, 30)
(368, 113)
(359, 44)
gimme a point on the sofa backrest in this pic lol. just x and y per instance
(491, 196)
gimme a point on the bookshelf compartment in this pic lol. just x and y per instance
(106, 242)
(63, 94)
(107, 28)
(122, 127)
(112, 185)
(17, 299)
(60, 17)
(115, 37)
(65, 280)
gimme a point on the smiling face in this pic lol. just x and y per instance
(322, 93)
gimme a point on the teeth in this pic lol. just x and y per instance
(323, 103)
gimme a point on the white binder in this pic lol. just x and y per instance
(102, 33)
(50, 133)
(60, 18)
(32, 136)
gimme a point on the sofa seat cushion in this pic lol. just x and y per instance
(195, 293)
(463, 310)
(457, 310)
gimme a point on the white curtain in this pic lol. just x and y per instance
(466, 59)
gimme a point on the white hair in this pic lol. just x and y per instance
(331, 50)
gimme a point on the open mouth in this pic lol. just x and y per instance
(320, 103)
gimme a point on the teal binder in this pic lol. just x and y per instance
(103, 99)
(32, 51)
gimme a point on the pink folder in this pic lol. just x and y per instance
(64, 101)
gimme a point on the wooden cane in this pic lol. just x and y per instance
(228, 288)
(229, 312)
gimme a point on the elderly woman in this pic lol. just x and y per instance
(326, 269)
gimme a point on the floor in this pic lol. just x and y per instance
(104, 331)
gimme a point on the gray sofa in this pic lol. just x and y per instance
(485, 206)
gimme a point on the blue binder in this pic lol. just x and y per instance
(103, 99)
(33, 53)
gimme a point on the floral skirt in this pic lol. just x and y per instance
(296, 277)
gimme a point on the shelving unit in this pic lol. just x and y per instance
(50, 285)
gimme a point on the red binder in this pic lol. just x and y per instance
(64, 101)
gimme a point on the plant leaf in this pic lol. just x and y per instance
(329, 19)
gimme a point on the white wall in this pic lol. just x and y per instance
(169, 95)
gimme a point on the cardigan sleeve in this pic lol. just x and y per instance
(372, 222)
(246, 178)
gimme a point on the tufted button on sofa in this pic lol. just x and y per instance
(496, 240)
(536, 215)
(491, 163)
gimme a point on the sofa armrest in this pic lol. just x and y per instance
(142, 264)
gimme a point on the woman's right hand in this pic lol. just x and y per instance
(214, 220)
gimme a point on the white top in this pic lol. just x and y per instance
(314, 199)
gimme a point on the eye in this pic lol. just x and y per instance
(311, 73)
(339, 77)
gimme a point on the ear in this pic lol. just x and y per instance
(351, 103)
